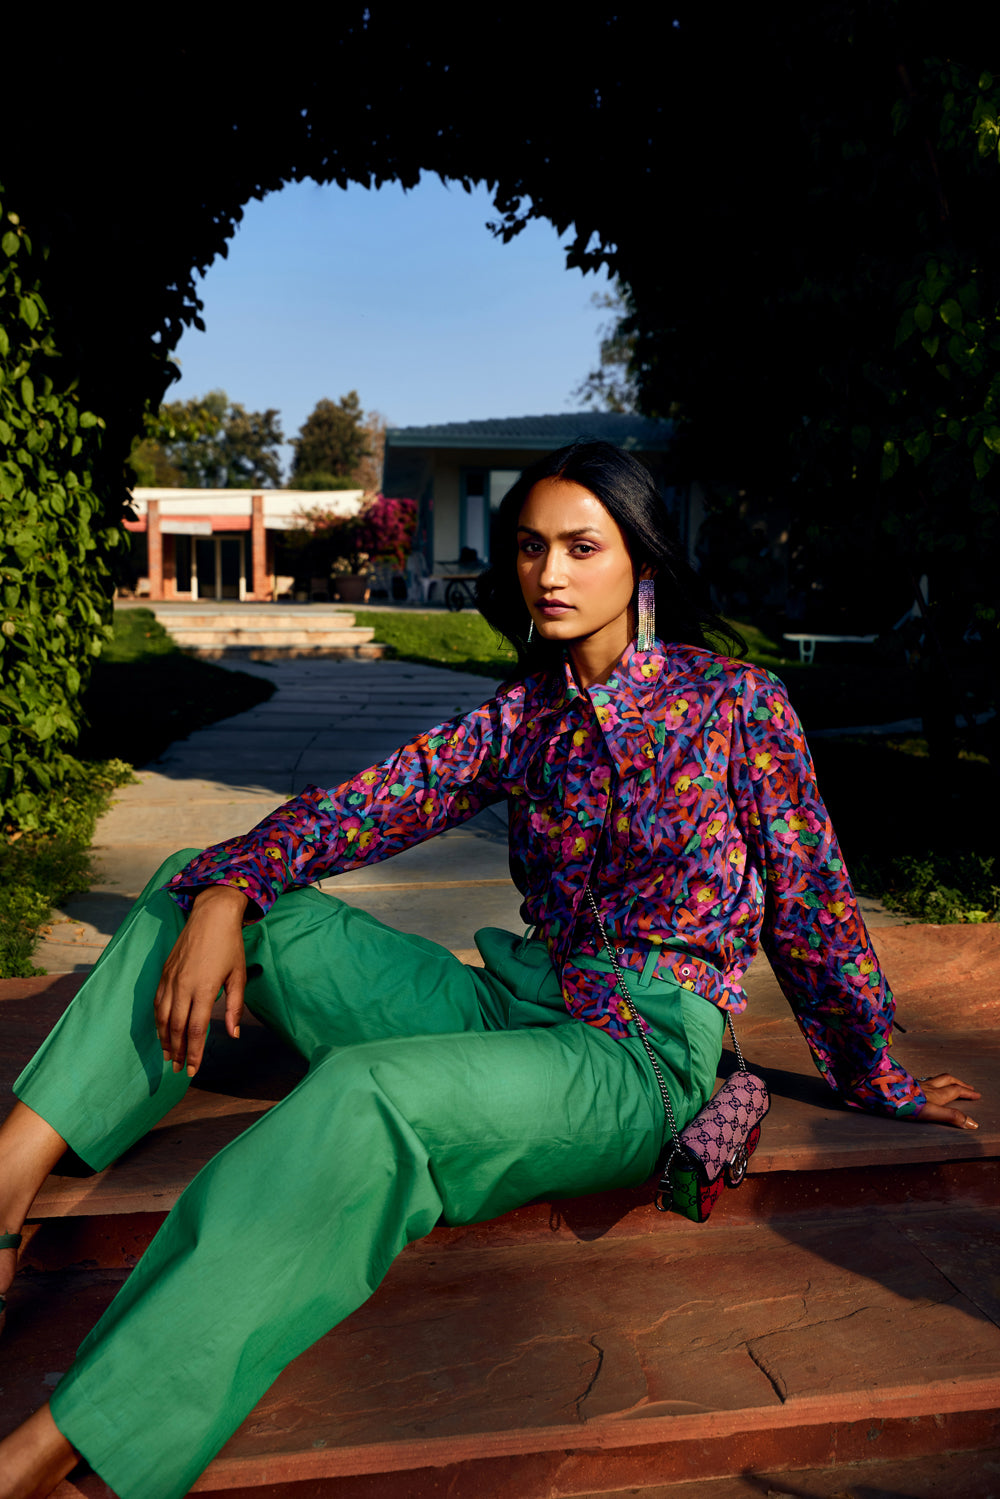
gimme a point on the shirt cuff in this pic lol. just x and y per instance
(888, 1089)
(205, 870)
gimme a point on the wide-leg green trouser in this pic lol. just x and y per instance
(434, 1090)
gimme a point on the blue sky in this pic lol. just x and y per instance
(405, 297)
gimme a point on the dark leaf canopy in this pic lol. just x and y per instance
(802, 202)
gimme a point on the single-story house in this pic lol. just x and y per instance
(217, 543)
(458, 472)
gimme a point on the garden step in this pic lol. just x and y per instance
(364, 651)
(235, 616)
(629, 1362)
(946, 982)
(268, 632)
(841, 1308)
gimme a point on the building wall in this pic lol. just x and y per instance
(409, 474)
(447, 499)
(168, 519)
(434, 477)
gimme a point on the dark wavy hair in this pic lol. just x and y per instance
(626, 489)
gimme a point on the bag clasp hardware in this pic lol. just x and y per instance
(736, 1166)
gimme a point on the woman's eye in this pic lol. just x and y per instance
(584, 549)
(530, 548)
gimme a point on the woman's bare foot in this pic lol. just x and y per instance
(34, 1458)
(29, 1149)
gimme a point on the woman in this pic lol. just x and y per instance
(671, 782)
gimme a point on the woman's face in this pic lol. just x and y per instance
(574, 568)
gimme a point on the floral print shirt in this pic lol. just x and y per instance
(682, 790)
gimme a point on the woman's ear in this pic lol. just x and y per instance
(646, 572)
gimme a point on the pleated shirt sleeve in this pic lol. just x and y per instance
(813, 932)
(438, 780)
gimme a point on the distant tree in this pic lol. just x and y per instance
(209, 443)
(369, 470)
(612, 386)
(151, 467)
(320, 481)
(332, 440)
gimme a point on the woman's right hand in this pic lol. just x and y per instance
(207, 956)
(941, 1091)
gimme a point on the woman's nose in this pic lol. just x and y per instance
(552, 574)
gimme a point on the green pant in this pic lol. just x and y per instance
(434, 1090)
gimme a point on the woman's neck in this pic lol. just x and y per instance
(595, 657)
(593, 661)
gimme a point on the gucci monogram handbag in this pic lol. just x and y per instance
(712, 1152)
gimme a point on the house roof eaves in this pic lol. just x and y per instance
(539, 434)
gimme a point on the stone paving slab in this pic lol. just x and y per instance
(223, 779)
(715, 1349)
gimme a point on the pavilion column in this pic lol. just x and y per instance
(154, 545)
(261, 587)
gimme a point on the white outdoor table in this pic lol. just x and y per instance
(808, 642)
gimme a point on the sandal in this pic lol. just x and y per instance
(7, 1241)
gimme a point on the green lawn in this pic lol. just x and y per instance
(438, 638)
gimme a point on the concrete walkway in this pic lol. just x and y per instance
(326, 721)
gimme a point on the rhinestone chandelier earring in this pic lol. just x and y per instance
(531, 631)
(647, 615)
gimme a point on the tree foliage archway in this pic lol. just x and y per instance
(769, 186)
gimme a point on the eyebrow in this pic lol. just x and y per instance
(563, 535)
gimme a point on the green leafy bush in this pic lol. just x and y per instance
(144, 693)
(39, 870)
(940, 888)
(55, 548)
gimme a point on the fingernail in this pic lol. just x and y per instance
(166, 1055)
(236, 1033)
(177, 1066)
(191, 1071)
(970, 1124)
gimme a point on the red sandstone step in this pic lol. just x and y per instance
(591, 1347)
(947, 990)
(618, 1363)
(954, 1475)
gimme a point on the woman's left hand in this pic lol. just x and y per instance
(941, 1091)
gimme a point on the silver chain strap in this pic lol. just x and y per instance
(634, 1017)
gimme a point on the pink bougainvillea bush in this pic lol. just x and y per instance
(380, 533)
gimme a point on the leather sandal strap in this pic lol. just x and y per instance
(10, 1241)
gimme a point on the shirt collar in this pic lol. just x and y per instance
(638, 673)
(636, 678)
